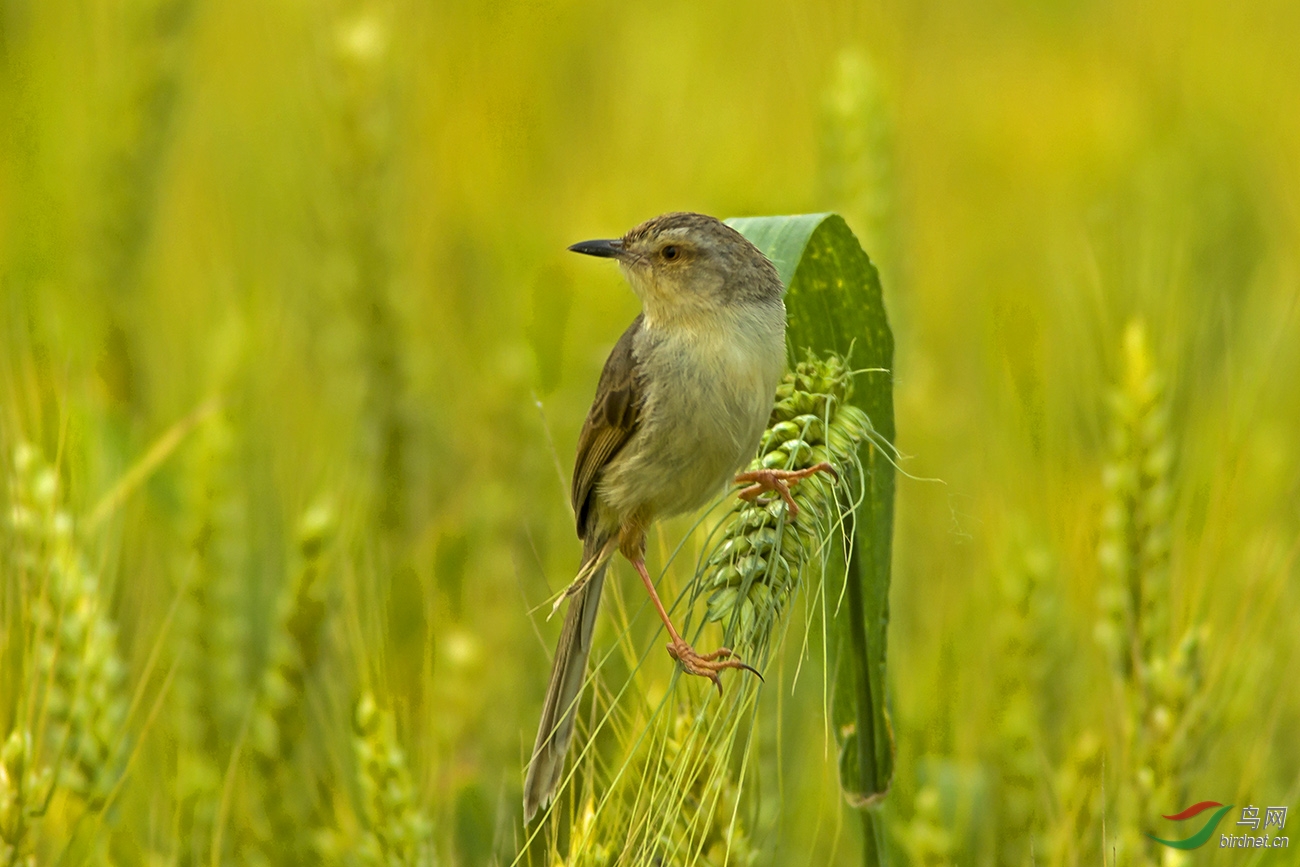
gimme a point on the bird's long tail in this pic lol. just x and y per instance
(567, 673)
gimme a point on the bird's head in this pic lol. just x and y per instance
(686, 266)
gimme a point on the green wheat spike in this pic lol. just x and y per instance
(1157, 678)
(79, 678)
(211, 689)
(398, 831)
(277, 819)
(18, 786)
(756, 565)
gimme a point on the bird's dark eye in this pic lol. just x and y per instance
(670, 252)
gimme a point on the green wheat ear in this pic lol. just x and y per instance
(1157, 678)
(1021, 678)
(399, 832)
(394, 829)
(1080, 815)
(77, 682)
(755, 567)
(926, 838)
(17, 785)
(1134, 547)
(212, 687)
(281, 808)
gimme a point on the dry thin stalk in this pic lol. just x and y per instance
(688, 766)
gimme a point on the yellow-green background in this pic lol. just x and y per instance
(348, 222)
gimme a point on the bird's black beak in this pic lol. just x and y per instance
(611, 249)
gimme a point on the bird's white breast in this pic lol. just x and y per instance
(709, 392)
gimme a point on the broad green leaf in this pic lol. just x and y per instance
(834, 304)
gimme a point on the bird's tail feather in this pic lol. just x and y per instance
(567, 674)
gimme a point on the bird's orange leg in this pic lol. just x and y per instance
(707, 665)
(779, 481)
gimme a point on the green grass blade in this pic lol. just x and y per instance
(834, 304)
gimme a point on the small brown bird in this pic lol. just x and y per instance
(680, 407)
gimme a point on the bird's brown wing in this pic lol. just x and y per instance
(615, 413)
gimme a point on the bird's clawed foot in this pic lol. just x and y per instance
(707, 665)
(779, 481)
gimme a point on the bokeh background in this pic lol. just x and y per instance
(285, 305)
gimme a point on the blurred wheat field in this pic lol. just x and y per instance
(293, 363)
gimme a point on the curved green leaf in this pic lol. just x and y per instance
(834, 304)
